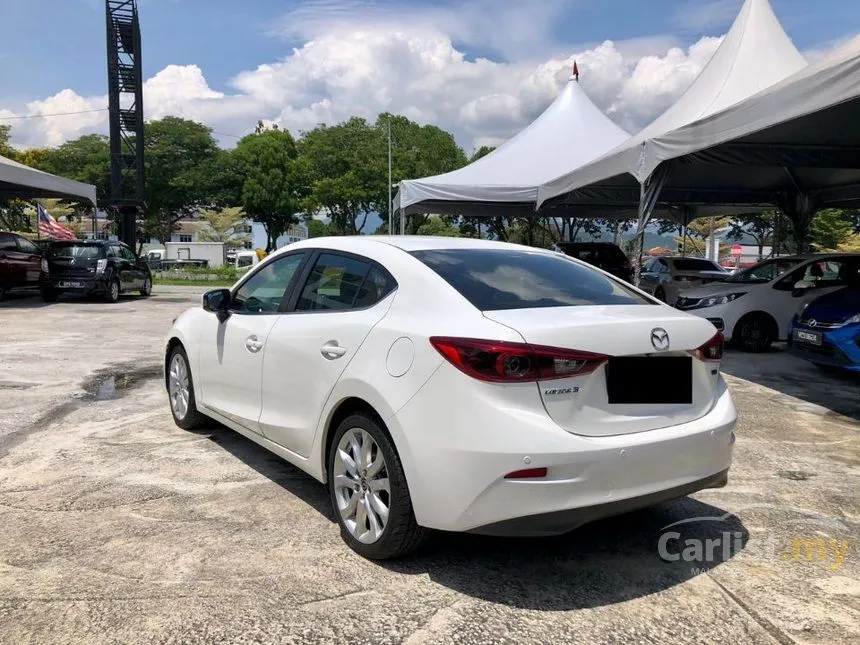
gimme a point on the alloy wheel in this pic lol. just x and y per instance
(114, 290)
(361, 486)
(178, 386)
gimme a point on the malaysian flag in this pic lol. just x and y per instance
(49, 227)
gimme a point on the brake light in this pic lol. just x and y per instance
(712, 350)
(505, 362)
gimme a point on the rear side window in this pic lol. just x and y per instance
(7, 243)
(495, 279)
(334, 284)
(27, 246)
(693, 264)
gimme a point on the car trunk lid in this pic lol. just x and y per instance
(650, 378)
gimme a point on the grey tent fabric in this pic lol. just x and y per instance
(797, 137)
(20, 181)
(755, 54)
(570, 132)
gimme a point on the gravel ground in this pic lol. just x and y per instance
(117, 527)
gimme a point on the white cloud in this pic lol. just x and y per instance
(348, 66)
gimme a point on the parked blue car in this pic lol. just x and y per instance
(827, 330)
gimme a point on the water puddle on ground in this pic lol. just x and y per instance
(112, 383)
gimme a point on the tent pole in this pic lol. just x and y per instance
(649, 194)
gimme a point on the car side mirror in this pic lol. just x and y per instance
(801, 287)
(217, 301)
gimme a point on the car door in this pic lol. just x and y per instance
(136, 273)
(232, 349)
(783, 300)
(32, 260)
(12, 272)
(340, 301)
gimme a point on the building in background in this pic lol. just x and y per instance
(296, 233)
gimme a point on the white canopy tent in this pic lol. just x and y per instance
(755, 54)
(20, 181)
(570, 132)
(795, 145)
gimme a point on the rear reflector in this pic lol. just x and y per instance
(528, 473)
(504, 362)
(711, 351)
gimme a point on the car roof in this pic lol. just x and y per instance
(585, 244)
(408, 243)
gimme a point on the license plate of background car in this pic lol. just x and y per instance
(812, 337)
(650, 380)
(71, 285)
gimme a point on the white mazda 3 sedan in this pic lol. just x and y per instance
(454, 384)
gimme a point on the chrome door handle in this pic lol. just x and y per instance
(253, 344)
(331, 350)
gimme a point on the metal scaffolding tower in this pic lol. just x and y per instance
(125, 107)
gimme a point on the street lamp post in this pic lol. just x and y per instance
(390, 202)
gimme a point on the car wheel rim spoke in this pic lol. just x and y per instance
(180, 393)
(361, 486)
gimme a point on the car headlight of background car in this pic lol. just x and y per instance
(853, 320)
(713, 301)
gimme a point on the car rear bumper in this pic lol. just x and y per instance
(74, 284)
(456, 464)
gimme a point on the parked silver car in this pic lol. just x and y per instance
(665, 277)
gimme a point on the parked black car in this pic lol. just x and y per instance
(93, 267)
(20, 262)
(603, 255)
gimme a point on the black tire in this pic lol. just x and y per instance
(754, 333)
(146, 291)
(112, 291)
(192, 419)
(401, 535)
(660, 294)
(48, 295)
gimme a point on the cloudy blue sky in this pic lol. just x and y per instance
(481, 68)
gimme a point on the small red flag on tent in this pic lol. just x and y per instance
(575, 71)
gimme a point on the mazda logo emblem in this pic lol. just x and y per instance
(660, 339)
(813, 323)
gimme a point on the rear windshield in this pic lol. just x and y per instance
(495, 279)
(692, 264)
(82, 251)
(600, 255)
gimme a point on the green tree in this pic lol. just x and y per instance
(483, 151)
(5, 149)
(225, 225)
(759, 226)
(438, 226)
(346, 173)
(181, 157)
(830, 228)
(271, 187)
(316, 228)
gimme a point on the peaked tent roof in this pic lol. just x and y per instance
(755, 54)
(570, 132)
(18, 180)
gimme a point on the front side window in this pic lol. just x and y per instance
(497, 279)
(7, 243)
(265, 290)
(333, 284)
(127, 254)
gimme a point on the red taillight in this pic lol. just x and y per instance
(712, 350)
(684, 278)
(504, 362)
(528, 473)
